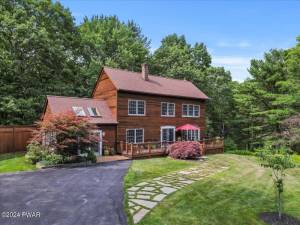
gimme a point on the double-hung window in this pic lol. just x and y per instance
(167, 109)
(190, 110)
(190, 135)
(135, 135)
(136, 107)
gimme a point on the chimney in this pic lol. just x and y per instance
(145, 71)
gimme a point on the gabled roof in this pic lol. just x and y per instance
(61, 104)
(133, 82)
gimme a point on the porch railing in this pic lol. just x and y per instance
(146, 149)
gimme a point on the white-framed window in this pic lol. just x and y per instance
(190, 135)
(167, 109)
(135, 135)
(136, 107)
(78, 110)
(94, 112)
(190, 110)
(167, 133)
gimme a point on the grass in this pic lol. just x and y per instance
(233, 197)
(145, 169)
(14, 162)
(296, 159)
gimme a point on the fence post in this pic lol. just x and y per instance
(13, 140)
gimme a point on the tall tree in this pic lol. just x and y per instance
(40, 54)
(178, 59)
(267, 98)
(113, 43)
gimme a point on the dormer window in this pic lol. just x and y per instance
(78, 111)
(93, 111)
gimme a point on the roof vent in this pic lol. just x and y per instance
(145, 71)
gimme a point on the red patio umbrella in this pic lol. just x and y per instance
(187, 127)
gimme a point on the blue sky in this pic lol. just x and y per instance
(233, 31)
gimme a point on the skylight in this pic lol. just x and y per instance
(78, 111)
(93, 111)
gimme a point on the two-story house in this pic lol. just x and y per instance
(138, 107)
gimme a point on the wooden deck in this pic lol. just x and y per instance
(151, 149)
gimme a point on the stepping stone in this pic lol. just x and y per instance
(159, 197)
(139, 215)
(145, 203)
(163, 184)
(158, 178)
(131, 193)
(137, 207)
(133, 188)
(130, 204)
(148, 189)
(187, 181)
(143, 196)
(167, 190)
(142, 184)
(184, 172)
(131, 211)
(145, 193)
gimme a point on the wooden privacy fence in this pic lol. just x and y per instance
(15, 138)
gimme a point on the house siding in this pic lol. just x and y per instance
(153, 120)
(105, 90)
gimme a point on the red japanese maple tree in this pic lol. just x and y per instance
(65, 134)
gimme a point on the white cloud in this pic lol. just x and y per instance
(236, 65)
(239, 44)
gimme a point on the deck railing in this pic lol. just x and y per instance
(148, 149)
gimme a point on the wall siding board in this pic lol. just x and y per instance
(153, 120)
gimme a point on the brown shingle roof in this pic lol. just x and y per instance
(132, 81)
(61, 104)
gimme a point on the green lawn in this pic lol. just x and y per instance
(234, 197)
(14, 162)
(145, 169)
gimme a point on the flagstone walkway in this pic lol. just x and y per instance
(146, 195)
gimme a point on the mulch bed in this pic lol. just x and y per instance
(271, 218)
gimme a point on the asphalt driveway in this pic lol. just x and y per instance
(77, 196)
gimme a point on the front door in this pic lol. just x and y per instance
(167, 134)
(98, 147)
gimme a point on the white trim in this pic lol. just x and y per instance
(168, 103)
(135, 135)
(168, 127)
(193, 116)
(137, 100)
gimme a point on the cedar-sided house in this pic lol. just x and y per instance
(131, 107)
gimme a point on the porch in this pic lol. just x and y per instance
(152, 149)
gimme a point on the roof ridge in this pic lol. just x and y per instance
(74, 97)
(153, 75)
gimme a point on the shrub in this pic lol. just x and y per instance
(91, 156)
(229, 145)
(185, 150)
(35, 152)
(52, 158)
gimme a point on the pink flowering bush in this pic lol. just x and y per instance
(185, 150)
